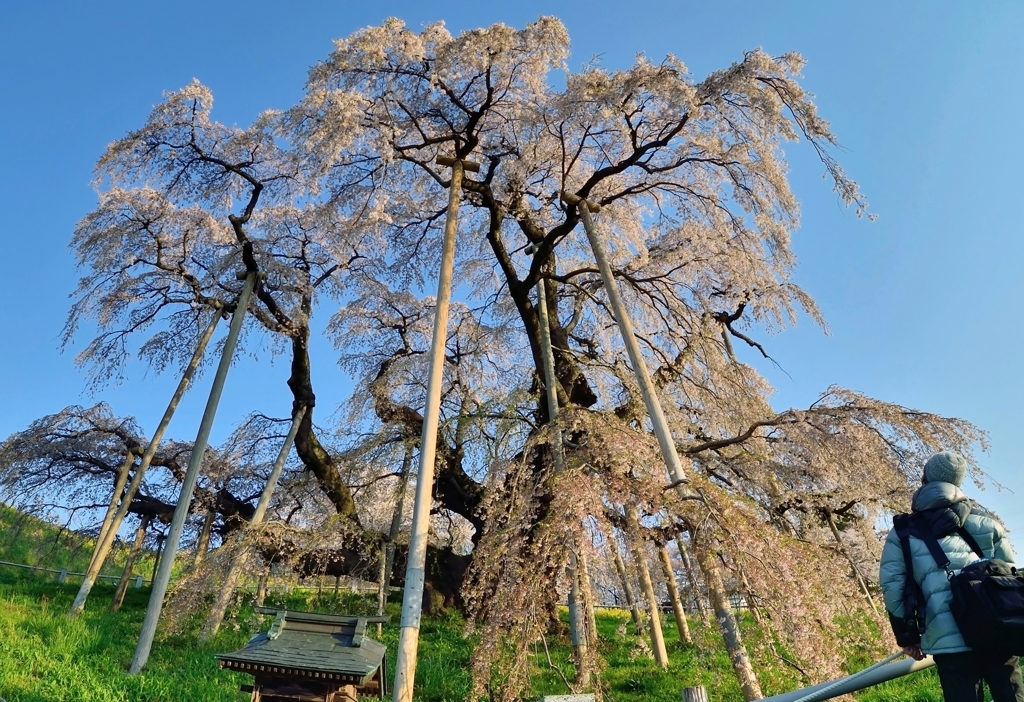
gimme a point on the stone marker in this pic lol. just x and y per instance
(588, 697)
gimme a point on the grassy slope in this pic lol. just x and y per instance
(46, 658)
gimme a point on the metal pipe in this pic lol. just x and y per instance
(415, 572)
(163, 576)
(857, 681)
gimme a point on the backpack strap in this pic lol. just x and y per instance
(941, 559)
(922, 532)
(901, 524)
(971, 541)
(908, 630)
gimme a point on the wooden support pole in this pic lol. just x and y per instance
(227, 590)
(586, 585)
(188, 484)
(115, 499)
(730, 631)
(682, 626)
(203, 542)
(644, 572)
(103, 547)
(691, 576)
(388, 560)
(636, 359)
(415, 573)
(576, 621)
(627, 589)
(126, 575)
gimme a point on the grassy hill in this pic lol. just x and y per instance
(44, 657)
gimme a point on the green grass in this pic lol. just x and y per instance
(44, 657)
(34, 542)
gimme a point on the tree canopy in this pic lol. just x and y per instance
(339, 202)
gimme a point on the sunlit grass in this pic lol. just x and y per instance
(44, 657)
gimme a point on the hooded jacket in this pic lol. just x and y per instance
(944, 507)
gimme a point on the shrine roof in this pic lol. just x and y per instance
(311, 643)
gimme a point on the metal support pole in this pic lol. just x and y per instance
(852, 683)
(107, 538)
(163, 575)
(412, 599)
(576, 626)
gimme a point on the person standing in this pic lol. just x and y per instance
(940, 506)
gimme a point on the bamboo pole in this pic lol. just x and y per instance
(126, 574)
(730, 631)
(163, 576)
(103, 548)
(415, 573)
(576, 623)
(682, 626)
(227, 590)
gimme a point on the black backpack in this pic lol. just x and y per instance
(988, 594)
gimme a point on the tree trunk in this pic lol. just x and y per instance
(654, 620)
(708, 562)
(126, 575)
(673, 594)
(627, 589)
(853, 564)
(691, 576)
(203, 542)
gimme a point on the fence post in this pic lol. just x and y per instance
(62, 576)
(138, 581)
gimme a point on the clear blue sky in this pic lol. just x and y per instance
(926, 97)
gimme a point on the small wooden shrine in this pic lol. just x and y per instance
(310, 657)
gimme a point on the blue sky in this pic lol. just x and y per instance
(926, 97)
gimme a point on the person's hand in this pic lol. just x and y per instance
(914, 652)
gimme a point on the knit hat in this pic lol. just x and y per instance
(945, 467)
